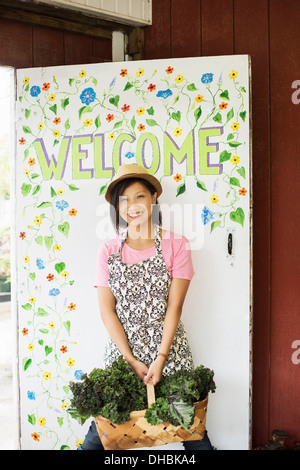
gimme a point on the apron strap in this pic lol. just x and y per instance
(157, 241)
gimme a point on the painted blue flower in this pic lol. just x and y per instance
(62, 205)
(54, 292)
(164, 93)
(40, 263)
(31, 395)
(78, 374)
(112, 83)
(207, 215)
(207, 78)
(88, 96)
(35, 90)
(129, 154)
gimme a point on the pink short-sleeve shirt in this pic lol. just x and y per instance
(175, 249)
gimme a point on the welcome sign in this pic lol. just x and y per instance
(187, 122)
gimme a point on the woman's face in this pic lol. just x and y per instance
(135, 204)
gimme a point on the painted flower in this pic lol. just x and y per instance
(177, 132)
(31, 161)
(140, 72)
(233, 74)
(70, 362)
(177, 177)
(42, 421)
(25, 331)
(110, 117)
(151, 87)
(52, 325)
(38, 220)
(72, 212)
(22, 141)
(30, 347)
(235, 126)
(47, 375)
(65, 274)
(123, 72)
(54, 292)
(78, 442)
(235, 160)
(141, 127)
(199, 98)
(50, 277)
(242, 192)
(164, 93)
(88, 122)
(62, 205)
(26, 259)
(22, 235)
(26, 80)
(26, 172)
(140, 111)
(206, 215)
(111, 136)
(179, 79)
(214, 199)
(82, 73)
(46, 86)
(61, 191)
(129, 154)
(88, 96)
(56, 120)
(56, 133)
(170, 69)
(64, 404)
(35, 90)
(71, 306)
(78, 374)
(30, 395)
(40, 263)
(40, 126)
(32, 300)
(64, 349)
(35, 436)
(57, 247)
(125, 108)
(207, 78)
(52, 97)
(223, 105)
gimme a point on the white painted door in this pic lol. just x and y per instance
(187, 121)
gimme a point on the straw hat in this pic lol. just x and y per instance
(133, 171)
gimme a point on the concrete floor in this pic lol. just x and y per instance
(7, 419)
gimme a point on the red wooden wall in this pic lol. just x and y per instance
(269, 31)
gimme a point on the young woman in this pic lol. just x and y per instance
(142, 278)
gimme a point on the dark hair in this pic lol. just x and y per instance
(118, 190)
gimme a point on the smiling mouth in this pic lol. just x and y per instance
(135, 215)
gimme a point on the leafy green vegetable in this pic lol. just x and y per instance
(116, 391)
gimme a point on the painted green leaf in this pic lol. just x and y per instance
(65, 102)
(230, 115)
(151, 122)
(83, 110)
(180, 189)
(150, 111)
(234, 182)
(97, 122)
(214, 225)
(48, 241)
(225, 95)
(197, 113)
(44, 204)
(42, 312)
(27, 130)
(53, 108)
(72, 187)
(128, 86)
(44, 331)
(201, 185)
(32, 419)
(27, 113)
(60, 421)
(224, 156)
(59, 267)
(238, 216)
(191, 87)
(230, 137)
(27, 306)
(94, 80)
(243, 115)
(218, 118)
(243, 89)
(133, 122)
(64, 228)
(48, 350)
(26, 188)
(176, 116)
(242, 172)
(53, 192)
(32, 276)
(67, 124)
(36, 189)
(39, 240)
(67, 325)
(118, 124)
(65, 447)
(114, 100)
(26, 363)
(102, 190)
(234, 143)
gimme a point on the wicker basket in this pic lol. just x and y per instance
(137, 432)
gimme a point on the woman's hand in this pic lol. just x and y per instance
(139, 368)
(155, 370)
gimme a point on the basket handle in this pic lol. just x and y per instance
(150, 393)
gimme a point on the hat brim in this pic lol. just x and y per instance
(154, 181)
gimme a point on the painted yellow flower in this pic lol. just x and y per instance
(31, 161)
(199, 98)
(38, 220)
(233, 74)
(140, 72)
(47, 375)
(235, 126)
(177, 132)
(26, 80)
(78, 442)
(111, 136)
(60, 191)
(40, 126)
(31, 347)
(56, 133)
(88, 122)
(214, 199)
(70, 362)
(179, 79)
(64, 404)
(52, 325)
(235, 160)
(26, 172)
(52, 97)
(31, 300)
(26, 259)
(42, 421)
(82, 73)
(57, 247)
(65, 274)
(140, 111)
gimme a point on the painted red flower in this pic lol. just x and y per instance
(242, 192)
(123, 72)
(22, 235)
(151, 87)
(56, 120)
(141, 127)
(64, 349)
(50, 277)
(25, 331)
(126, 107)
(170, 69)
(46, 86)
(22, 141)
(110, 117)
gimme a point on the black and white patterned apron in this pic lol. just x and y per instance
(141, 291)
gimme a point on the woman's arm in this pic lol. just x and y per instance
(107, 305)
(177, 293)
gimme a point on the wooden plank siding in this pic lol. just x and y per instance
(269, 32)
